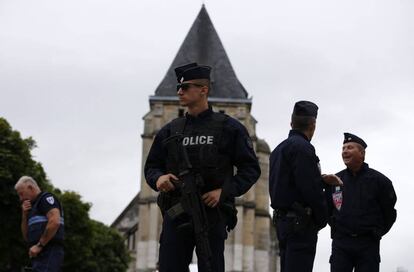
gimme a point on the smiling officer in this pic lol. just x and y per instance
(362, 211)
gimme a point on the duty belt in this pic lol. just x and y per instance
(353, 234)
(359, 235)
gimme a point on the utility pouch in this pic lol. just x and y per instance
(164, 202)
(377, 234)
(176, 211)
(180, 218)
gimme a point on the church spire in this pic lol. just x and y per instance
(202, 45)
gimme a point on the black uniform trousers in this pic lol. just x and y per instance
(50, 259)
(297, 248)
(176, 247)
(360, 252)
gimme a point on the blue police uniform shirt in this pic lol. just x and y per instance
(235, 142)
(364, 205)
(295, 176)
(37, 220)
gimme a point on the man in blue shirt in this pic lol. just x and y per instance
(42, 225)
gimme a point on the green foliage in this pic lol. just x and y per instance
(89, 245)
(78, 233)
(108, 248)
(15, 161)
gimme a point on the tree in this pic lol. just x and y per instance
(15, 161)
(89, 245)
(78, 233)
(109, 248)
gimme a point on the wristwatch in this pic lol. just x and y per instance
(39, 244)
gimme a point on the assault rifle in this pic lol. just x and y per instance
(191, 204)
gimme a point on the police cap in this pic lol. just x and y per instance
(305, 108)
(192, 71)
(348, 137)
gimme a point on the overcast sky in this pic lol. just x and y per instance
(76, 76)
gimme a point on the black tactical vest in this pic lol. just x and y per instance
(37, 223)
(206, 151)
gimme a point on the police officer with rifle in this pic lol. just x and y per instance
(191, 163)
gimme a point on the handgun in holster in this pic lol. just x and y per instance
(230, 213)
(303, 218)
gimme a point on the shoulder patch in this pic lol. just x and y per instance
(50, 200)
(337, 198)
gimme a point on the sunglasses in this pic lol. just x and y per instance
(186, 86)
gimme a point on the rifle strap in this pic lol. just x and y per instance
(178, 125)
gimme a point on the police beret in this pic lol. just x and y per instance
(348, 137)
(305, 108)
(192, 71)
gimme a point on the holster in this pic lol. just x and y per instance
(303, 218)
(230, 214)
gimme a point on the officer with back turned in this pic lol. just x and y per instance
(296, 192)
(362, 211)
(215, 144)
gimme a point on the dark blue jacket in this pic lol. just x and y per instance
(234, 143)
(364, 205)
(295, 177)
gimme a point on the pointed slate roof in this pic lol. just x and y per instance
(203, 45)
